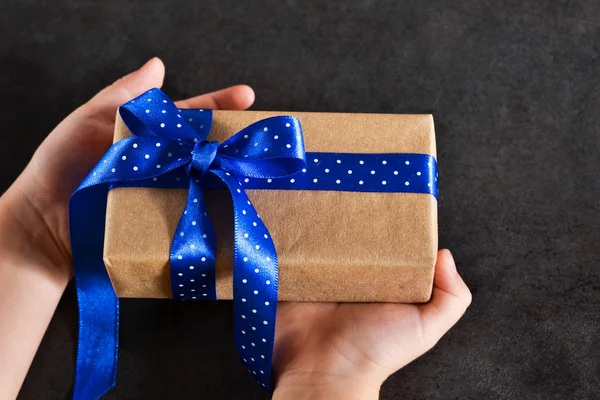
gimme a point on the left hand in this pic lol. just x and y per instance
(35, 251)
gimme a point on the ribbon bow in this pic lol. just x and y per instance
(165, 142)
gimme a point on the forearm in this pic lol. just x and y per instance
(29, 294)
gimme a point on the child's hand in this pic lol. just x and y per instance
(35, 252)
(345, 351)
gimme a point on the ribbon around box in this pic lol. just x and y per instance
(169, 149)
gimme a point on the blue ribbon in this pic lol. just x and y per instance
(169, 149)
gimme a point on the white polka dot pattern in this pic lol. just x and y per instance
(345, 172)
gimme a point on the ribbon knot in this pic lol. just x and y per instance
(203, 156)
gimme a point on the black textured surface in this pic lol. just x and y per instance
(514, 89)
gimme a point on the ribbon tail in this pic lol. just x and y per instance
(98, 305)
(255, 285)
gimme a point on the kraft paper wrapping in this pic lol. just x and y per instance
(331, 246)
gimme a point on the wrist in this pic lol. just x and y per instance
(313, 386)
(32, 244)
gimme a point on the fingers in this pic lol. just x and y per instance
(237, 97)
(449, 301)
(105, 103)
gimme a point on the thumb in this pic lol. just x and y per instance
(105, 103)
(449, 301)
(95, 119)
(87, 132)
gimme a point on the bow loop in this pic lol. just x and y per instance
(154, 114)
(270, 148)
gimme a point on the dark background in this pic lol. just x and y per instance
(513, 86)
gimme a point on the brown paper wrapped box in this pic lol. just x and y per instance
(331, 246)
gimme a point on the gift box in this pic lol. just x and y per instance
(332, 246)
(254, 206)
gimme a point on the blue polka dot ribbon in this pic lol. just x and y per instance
(169, 149)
